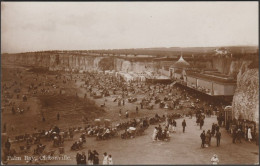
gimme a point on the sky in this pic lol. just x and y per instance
(38, 26)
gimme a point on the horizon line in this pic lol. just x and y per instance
(130, 48)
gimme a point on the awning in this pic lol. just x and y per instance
(228, 107)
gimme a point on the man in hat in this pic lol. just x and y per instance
(213, 129)
(218, 136)
(239, 134)
(201, 123)
(217, 127)
(203, 137)
(96, 159)
(83, 158)
(78, 158)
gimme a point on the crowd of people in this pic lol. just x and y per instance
(160, 134)
(99, 84)
(238, 133)
(206, 136)
(92, 158)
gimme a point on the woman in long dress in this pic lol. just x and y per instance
(90, 157)
(174, 124)
(207, 139)
(249, 134)
(105, 160)
(155, 134)
(110, 160)
(167, 121)
(170, 127)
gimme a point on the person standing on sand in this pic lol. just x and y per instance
(174, 125)
(218, 136)
(217, 127)
(96, 159)
(203, 137)
(90, 157)
(249, 135)
(155, 132)
(201, 123)
(208, 137)
(105, 160)
(213, 129)
(239, 133)
(183, 125)
(126, 114)
(78, 158)
(110, 160)
(83, 159)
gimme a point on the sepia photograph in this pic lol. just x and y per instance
(130, 83)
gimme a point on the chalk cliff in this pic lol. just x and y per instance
(246, 98)
(245, 101)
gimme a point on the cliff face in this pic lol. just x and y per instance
(66, 62)
(125, 65)
(69, 62)
(230, 66)
(245, 103)
(82, 62)
(238, 67)
(222, 64)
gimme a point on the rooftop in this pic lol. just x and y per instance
(211, 77)
(181, 63)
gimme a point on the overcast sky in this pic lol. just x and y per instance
(36, 26)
